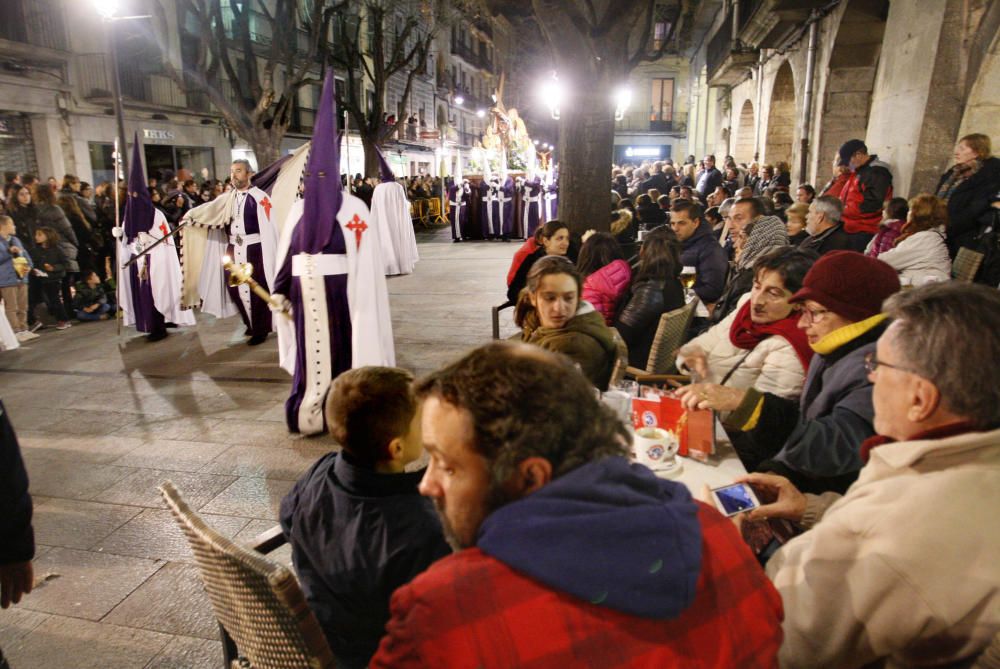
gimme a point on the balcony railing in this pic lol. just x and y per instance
(35, 22)
(719, 46)
(639, 121)
(138, 85)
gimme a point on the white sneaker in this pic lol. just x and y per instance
(22, 335)
(63, 325)
(27, 335)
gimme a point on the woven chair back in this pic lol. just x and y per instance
(669, 337)
(257, 601)
(966, 265)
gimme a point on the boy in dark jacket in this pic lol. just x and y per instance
(91, 302)
(17, 539)
(358, 527)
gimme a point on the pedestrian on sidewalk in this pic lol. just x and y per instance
(15, 265)
(50, 267)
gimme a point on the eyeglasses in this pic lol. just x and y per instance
(814, 315)
(872, 363)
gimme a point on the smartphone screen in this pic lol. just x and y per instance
(735, 498)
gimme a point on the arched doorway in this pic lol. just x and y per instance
(743, 149)
(781, 118)
(851, 79)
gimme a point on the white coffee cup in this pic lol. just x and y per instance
(656, 448)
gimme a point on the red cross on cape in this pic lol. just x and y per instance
(267, 206)
(358, 227)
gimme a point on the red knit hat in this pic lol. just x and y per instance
(849, 284)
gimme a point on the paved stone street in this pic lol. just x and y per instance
(103, 420)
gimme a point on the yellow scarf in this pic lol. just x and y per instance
(834, 340)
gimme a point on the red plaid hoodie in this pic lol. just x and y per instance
(707, 604)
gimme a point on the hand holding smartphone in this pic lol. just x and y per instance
(734, 499)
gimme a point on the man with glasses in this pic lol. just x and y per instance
(816, 441)
(902, 570)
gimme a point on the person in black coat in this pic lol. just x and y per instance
(649, 212)
(17, 539)
(968, 188)
(656, 289)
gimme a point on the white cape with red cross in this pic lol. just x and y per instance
(367, 293)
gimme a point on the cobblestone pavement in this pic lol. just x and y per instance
(103, 420)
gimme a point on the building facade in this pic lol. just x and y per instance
(780, 80)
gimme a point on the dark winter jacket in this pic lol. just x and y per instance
(831, 239)
(864, 195)
(816, 441)
(520, 279)
(659, 181)
(51, 216)
(54, 256)
(638, 320)
(651, 215)
(86, 296)
(969, 209)
(702, 251)
(708, 181)
(17, 540)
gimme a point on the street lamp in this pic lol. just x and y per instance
(459, 99)
(481, 113)
(623, 98)
(107, 9)
(553, 93)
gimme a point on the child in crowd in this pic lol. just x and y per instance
(15, 266)
(50, 268)
(891, 227)
(356, 522)
(91, 301)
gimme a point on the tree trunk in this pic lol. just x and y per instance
(266, 146)
(586, 145)
(369, 144)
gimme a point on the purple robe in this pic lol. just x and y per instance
(487, 225)
(532, 207)
(139, 217)
(552, 201)
(258, 321)
(318, 232)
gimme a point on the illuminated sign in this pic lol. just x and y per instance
(644, 151)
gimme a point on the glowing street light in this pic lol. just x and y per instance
(106, 8)
(480, 113)
(552, 93)
(459, 99)
(623, 98)
(536, 142)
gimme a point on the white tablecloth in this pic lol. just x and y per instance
(721, 469)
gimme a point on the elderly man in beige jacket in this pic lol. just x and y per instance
(904, 569)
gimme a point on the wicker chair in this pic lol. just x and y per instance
(966, 265)
(669, 337)
(263, 614)
(621, 362)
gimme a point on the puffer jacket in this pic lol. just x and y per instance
(585, 339)
(605, 287)
(638, 320)
(969, 208)
(770, 367)
(864, 195)
(702, 251)
(920, 258)
(51, 216)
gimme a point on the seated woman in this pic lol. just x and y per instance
(606, 274)
(759, 345)
(795, 221)
(920, 253)
(656, 289)
(551, 314)
(551, 239)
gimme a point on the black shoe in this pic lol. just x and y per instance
(257, 339)
(170, 324)
(248, 332)
(156, 336)
(456, 240)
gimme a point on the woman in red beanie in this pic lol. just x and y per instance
(816, 440)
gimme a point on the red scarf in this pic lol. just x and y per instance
(952, 430)
(746, 334)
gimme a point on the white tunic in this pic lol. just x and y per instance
(391, 215)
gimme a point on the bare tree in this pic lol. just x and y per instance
(251, 60)
(386, 39)
(595, 44)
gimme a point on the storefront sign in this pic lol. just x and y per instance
(644, 151)
(149, 133)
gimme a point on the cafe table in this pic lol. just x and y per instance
(722, 467)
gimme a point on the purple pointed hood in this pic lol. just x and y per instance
(323, 190)
(384, 171)
(139, 209)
